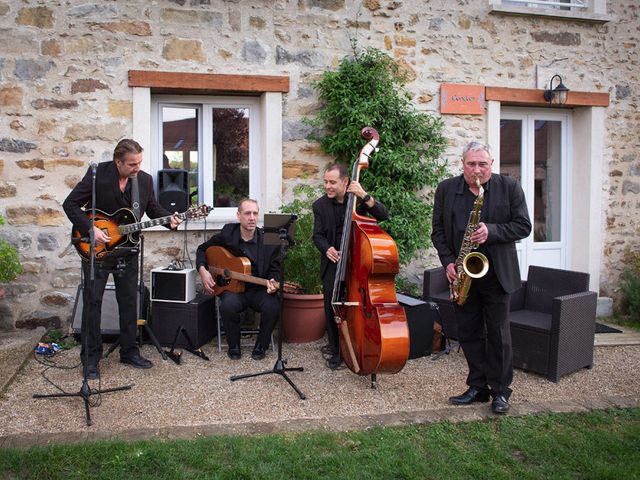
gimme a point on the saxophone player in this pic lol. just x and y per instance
(483, 326)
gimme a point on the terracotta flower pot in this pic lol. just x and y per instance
(303, 318)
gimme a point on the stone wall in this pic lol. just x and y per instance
(64, 99)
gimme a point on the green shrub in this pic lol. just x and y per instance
(368, 90)
(630, 285)
(10, 266)
(302, 263)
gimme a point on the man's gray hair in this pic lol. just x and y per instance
(475, 146)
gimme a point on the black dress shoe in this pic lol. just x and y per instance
(500, 404)
(136, 361)
(258, 352)
(92, 372)
(334, 362)
(473, 394)
(234, 353)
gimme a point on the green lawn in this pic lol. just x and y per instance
(598, 445)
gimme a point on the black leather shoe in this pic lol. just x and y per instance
(473, 394)
(234, 353)
(334, 362)
(92, 372)
(500, 404)
(136, 361)
(258, 352)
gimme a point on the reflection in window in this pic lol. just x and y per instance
(180, 144)
(230, 156)
(547, 176)
(511, 148)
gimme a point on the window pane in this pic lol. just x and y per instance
(511, 148)
(230, 156)
(180, 144)
(547, 176)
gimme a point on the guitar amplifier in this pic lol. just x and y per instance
(177, 286)
(109, 317)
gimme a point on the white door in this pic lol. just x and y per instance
(534, 148)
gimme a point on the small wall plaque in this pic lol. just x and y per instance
(457, 98)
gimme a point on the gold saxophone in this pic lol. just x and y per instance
(469, 264)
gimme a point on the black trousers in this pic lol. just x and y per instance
(126, 282)
(483, 332)
(332, 326)
(232, 304)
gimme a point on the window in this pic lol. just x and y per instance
(215, 139)
(578, 5)
(584, 10)
(191, 117)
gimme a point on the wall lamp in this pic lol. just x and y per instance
(558, 95)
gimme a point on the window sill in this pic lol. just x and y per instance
(197, 225)
(551, 13)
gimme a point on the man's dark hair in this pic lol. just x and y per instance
(340, 167)
(124, 146)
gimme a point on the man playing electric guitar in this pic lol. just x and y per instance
(115, 189)
(244, 239)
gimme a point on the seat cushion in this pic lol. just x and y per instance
(530, 320)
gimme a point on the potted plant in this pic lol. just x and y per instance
(10, 266)
(303, 318)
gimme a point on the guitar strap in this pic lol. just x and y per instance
(135, 198)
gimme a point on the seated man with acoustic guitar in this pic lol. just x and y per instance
(242, 239)
(120, 184)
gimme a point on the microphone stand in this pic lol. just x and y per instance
(280, 365)
(85, 391)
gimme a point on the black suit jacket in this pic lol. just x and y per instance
(324, 224)
(268, 262)
(108, 196)
(505, 214)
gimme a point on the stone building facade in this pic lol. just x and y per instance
(66, 98)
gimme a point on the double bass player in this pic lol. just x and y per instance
(329, 213)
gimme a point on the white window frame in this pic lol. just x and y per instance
(205, 105)
(588, 184)
(580, 10)
(268, 190)
(528, 116)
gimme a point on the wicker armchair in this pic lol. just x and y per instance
(552, 319)
(435, 288)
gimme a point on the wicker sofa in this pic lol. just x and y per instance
(435, 288)
(552, 319)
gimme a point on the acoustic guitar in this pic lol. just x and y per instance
(123, 227)
(230, 272)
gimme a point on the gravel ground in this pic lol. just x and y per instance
(198, 392)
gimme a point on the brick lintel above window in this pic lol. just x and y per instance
(207, 83)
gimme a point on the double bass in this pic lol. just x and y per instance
(374, 337)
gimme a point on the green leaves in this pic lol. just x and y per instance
(367, 90)
(302, 263)
(10, 266)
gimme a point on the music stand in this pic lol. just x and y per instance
(279, 230)
(86, 392)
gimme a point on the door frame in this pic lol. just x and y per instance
(528, 250)
(589, 183)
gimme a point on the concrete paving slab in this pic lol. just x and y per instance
(15, 348)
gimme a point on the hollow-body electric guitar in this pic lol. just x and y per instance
(230, 272)
(123, 227)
